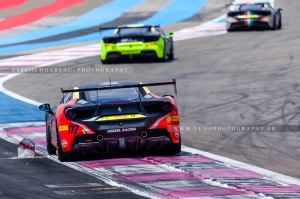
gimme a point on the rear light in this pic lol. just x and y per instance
(151, 38)
(110, 40)
(266, 19)
(231, 19)
(70, 114)
(167, 106)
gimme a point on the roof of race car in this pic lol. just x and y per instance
(136, 25)
(237, 2)
(106, 84)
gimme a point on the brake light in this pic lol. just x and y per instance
(110, 40)
(231, 19)
(266, 19)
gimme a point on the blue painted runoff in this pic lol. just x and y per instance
(99, 15)
(13, 111)
(175, 11)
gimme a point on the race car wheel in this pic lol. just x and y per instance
(50, 148)
(280, 22)
(104, 61)
(171, 55)
(274, 23)
(174, 149)
(62, 156)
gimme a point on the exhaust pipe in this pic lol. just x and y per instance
(100, 138)
(143, 134)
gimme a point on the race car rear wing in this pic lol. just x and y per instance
(173, 82)
(133, 26)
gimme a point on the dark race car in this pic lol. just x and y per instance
(260, 14)
(112, 117)
(136, 41)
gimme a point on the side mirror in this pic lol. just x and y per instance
(46, 108)
(280, 9)
(170, 34)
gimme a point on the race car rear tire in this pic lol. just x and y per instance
(274, 23)
(50, 148)
(171, 55)
(174, 149)
(62, 156)
(104, 61)
(280, 22)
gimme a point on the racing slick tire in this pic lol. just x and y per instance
(174, 148)
(104, 61)
(280, 22)
(171, 55)
(274, 23)
(50, 148)
(62, 156)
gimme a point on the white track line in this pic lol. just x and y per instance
(283, 179)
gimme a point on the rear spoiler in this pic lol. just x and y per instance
(109, 28)
(173, 83)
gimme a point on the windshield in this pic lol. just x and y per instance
(138, 30)
(245, 7)
(114, 95)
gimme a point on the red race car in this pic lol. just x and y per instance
(112, 117)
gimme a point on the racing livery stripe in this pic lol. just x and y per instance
(6, 4)
(37, 13)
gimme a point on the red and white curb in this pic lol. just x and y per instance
(192, 174)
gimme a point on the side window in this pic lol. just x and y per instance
(161, 32)
(66, 98)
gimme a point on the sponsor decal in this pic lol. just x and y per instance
(120, 109)
(175, 118)
(63, 128)
(121, 130)
(64, 143)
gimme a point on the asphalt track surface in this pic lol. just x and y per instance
(43, 178)
(241, 78)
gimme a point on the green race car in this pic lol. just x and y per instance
(137, 41)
